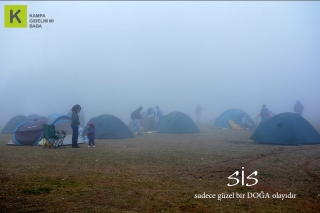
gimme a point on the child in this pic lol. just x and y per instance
(91, 134)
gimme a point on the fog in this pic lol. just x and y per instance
(112, 57)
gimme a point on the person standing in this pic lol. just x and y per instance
(298, 108)
(264, 113)
(136, 116)
(198, 112)
(75, 122)
(91, 135)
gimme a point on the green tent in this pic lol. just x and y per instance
(286, 129)
(109, 127)
(176, 122)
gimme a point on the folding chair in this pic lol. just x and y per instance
(53, 138)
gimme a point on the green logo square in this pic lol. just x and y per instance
(15, 16)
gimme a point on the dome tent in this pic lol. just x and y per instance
(109, 127)
(28, 133)
(12, 124)
(286, 129)
(31, 132)
(232, 119)
(34, 117)
(63, 122)
(176, 122)
(51, 118)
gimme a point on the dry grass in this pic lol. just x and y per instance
(158, 173)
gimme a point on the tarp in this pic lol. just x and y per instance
(176, 122)
(286, 129)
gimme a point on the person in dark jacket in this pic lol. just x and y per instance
(136, 116)
(264, 113)
(91, 134)
(298, 108)
(197, 111)
(75, 122)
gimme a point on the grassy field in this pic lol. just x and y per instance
(159, 173)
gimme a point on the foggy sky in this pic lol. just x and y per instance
(112, 57)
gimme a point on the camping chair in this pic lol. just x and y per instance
(53, 138)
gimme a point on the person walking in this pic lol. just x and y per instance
(75, 122)
(264, 113)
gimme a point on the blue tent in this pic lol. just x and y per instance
(34, 117)
(286, 129)
(232, 119)
(28, 133)
(13, 123)
(31, 132)
(176, 122)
